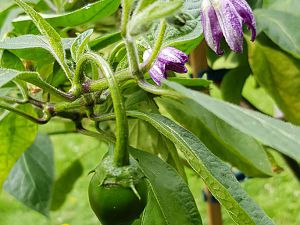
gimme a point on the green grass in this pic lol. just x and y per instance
(278, 196)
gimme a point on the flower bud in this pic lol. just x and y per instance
(169, 59)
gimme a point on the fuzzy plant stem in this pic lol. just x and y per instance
(121, 155)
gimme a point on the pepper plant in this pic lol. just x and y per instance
(125, 83)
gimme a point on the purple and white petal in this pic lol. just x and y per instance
(245, 12)
(211, 27)
(178, 68)
(169, 59)
(230, 23)
(158, 72)
(184, 58)
(146, 54)
(172, 55)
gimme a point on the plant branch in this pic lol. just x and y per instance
(157, 90)
(13, 100)
(101, 84)
(100, 136)
(133, 59)
(121, 155)
(125, 16)
(157, 46)
(35, 79)
(6, 106)
(131, 49)
(62, 132)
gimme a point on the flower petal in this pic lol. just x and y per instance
(158, 72)
(184, 57)
(231, 24)
(246, 13)
(146, 54)
(170, 55)
(179, 68)
(169, 59)
(211, 27)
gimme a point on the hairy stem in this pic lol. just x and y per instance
(133, 59)
(11, 108)
(13, 100)
(121, 155)
(84, 101)
(157, 90)
(157, 46)
(131, 49)
(61, 132)
(100, 85)
(35, 79)
(125, 16)
(78, 78)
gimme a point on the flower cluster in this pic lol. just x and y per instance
(220, 18)
(225, 18)
(169, 59)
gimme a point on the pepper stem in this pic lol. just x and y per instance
(121, 154)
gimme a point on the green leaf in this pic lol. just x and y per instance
(171, 201)
(80, 44)
(117, 54)
(188, 36)
(215, 173)
(159, 9)
(255, 3)
(5, 91)
(258, 97)
(32, 47)
(143, 4)
(230, 59)
(104, 41)
(152, 142)
(89, 13)
(153, 214)
(64, 183)
(53, 37)
(8, 4)
(32, 41)
(13, 130)
(281, 28)
(30, 181)
(11, 61)
(282, 136)
(6, 25)
(279, 74)
(6, 76)
(191, 82)
(233, 83)
(290, 6)
(224, 141)
(31, 77)
(137, 99)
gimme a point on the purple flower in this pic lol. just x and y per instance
(225, 18)
(169, 59)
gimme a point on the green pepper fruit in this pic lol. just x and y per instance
(117, 195)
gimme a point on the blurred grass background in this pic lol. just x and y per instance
(279, 196)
